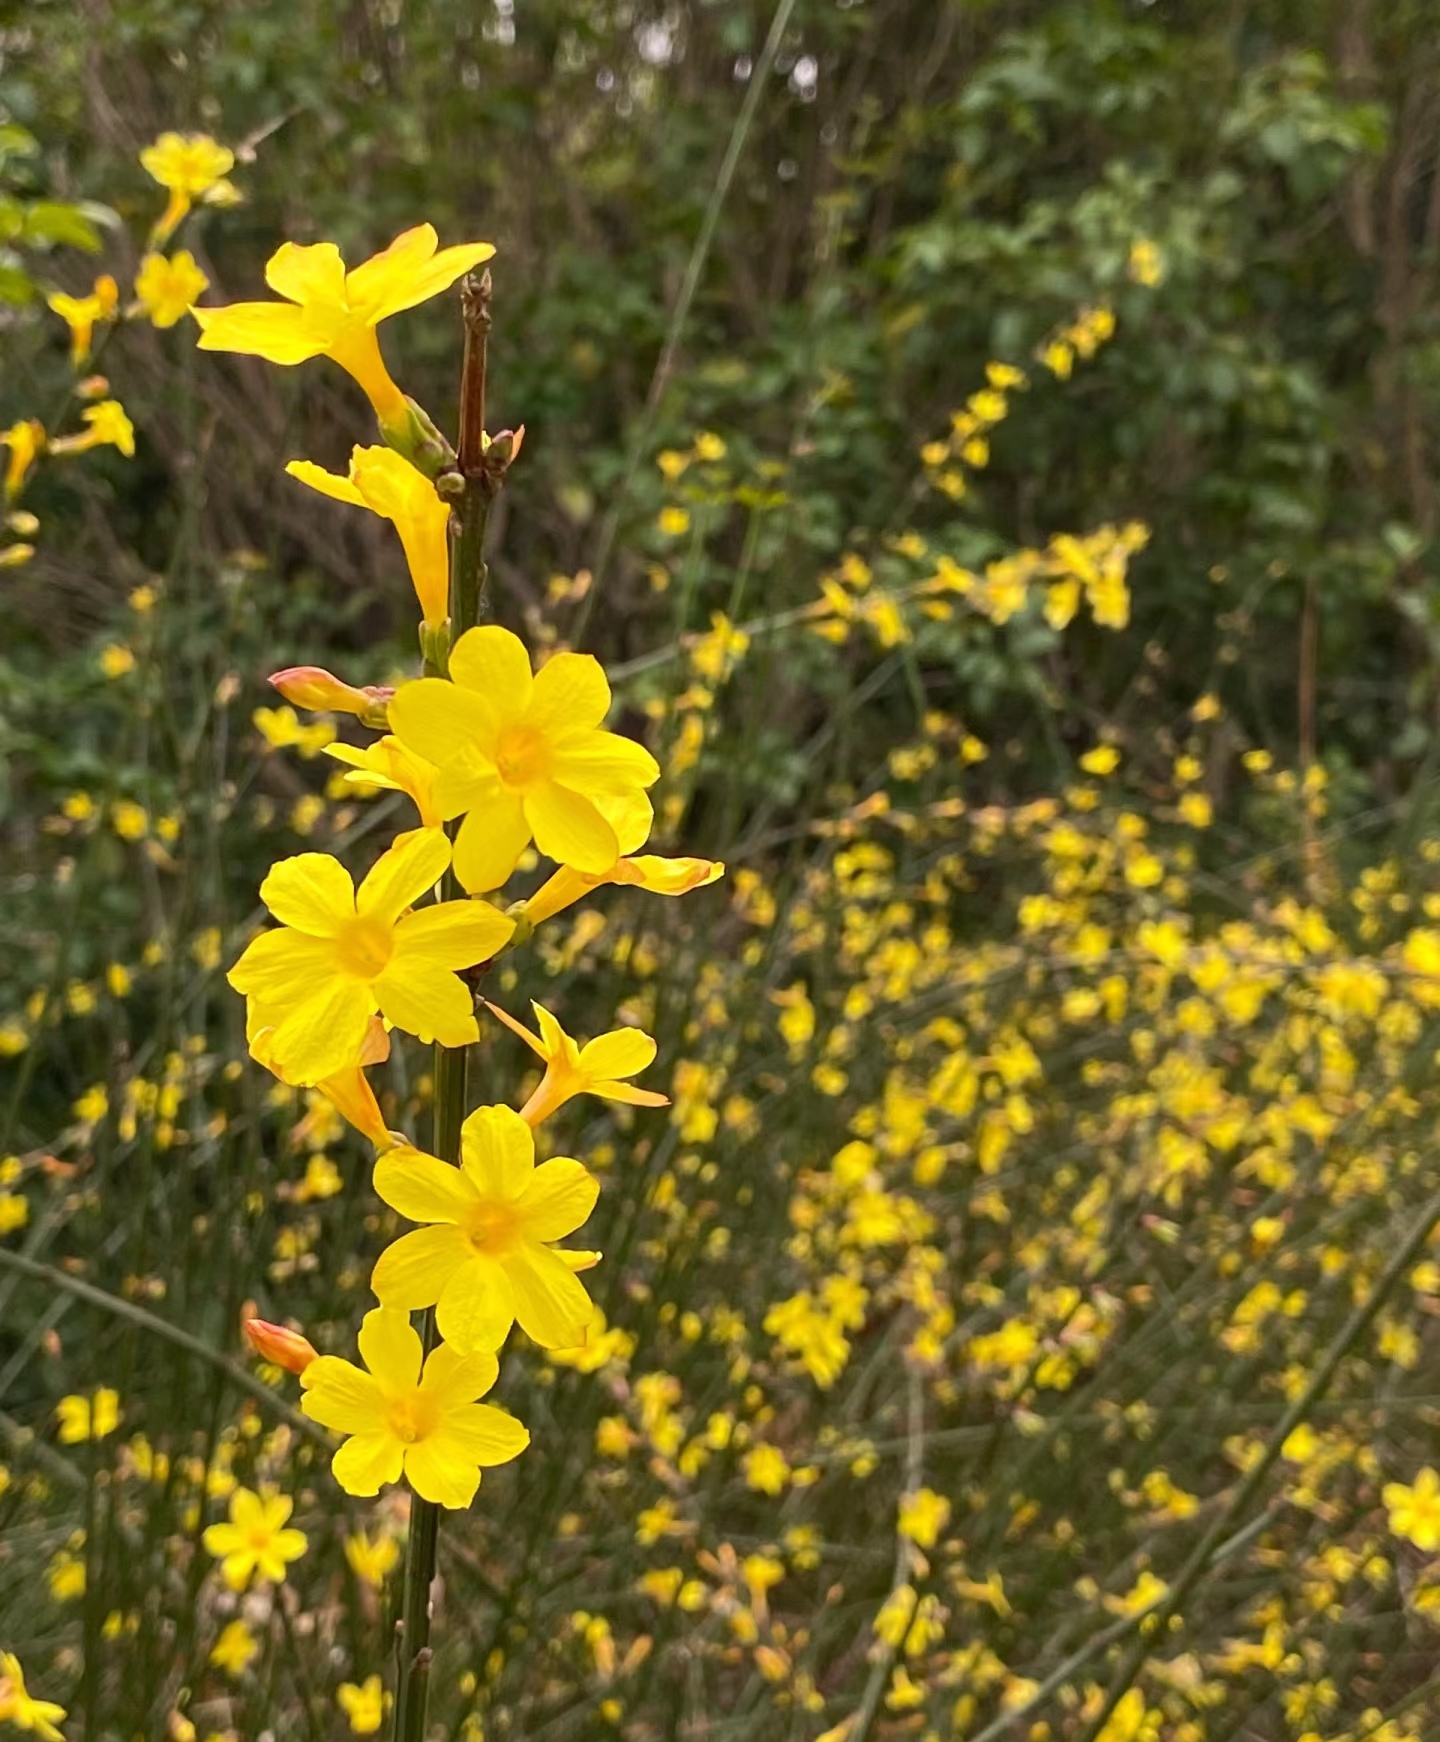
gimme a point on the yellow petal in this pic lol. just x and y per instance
(560, 1196)
(603, 763)
(308, 274)
(631, 815)
(476, 1307)
(311, 892)
(363, 1465)
(276, 331)
(280, 966)
(550, 1300)
(339, 1395)
(320, 1034)
(571, 694)
(533, 1041)
(403, 873)
(456, 1380)
(390, 1348)
(428, 1002)
(490, 842)
(497, 1150)
(628, 1093)
(422, 1187)
(488, 1435)
(453, 934)
(569, 828)
(327, 483)
(369, 284)
(438, 1471)
(411, 1272)
(621, 1053)
(669, 876)
(495, 665)
(440, 720)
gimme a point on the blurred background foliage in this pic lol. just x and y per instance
(781, 247)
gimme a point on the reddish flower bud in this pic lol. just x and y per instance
(313, 688)
(277, 1343)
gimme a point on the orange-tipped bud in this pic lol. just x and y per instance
(277, 1343)
(320, 691)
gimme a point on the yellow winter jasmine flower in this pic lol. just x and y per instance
(425, 1424)
(235, 1650)
(923, 1515)
(388, 485)
(365, 1706)
(107, 425)
(485, 1261)
(88, 1418)
(388, 765)
(372, 1560)
(347, 1090)
(592, 1069)
(340, 955)
(82, 313)
(631, 820)
(19, 1708)
(329, 312)
(25, 440)
(256, 1541)
(167, 288)
(523, 757)
(1415, 1510)
(188, 166)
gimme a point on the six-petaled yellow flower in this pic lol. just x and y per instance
(521, 756)
(342, 954)
(486, 1257)
(593, 1069)
(388, 485)
(1415, 1509)
(189, 166)
(425, 1423)
(257, 1542)
(167, 288)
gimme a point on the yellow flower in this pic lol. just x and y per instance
(365, 1705)
(107, 426)
(340, 955)
(330, 312)
(485, 1260)
(923, 1515)
(592, 1069)
(81, 313)
(521, 756)
(387, 764)
(19, 1708)
(631, 820)
(388, 485)
(372, 1561)
(116, 660)
(348, 1089)
(235, 1650)
(188, 166)
(426, 1424)
(88, 1418)
(256, 1540)
(1415, 1511)
(167, 288)
(25, 440)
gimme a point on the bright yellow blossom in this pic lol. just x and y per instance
(521, 756)
(329, 312)
(106, 425)
(19, 1708)
(388, 485)
(256, 1540)
(486, 1259)
(923, 1515)
(372, 1559)
(364, 1705)
(425, 1423)
(631, 820)
(83, 313)
(189, 166)
(340, 955)
(593, 1069)
(1415, 1510)
(236, 1648)
(388, 765)
(88, 1418)
(25, 440)
(166, 289)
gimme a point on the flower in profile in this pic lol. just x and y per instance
(486, 1260)
(347, 1090)
(388, 485)
(167, 288)
(20, 1708)
(593, 1069)
(631, 820)
(107, 425)
(82, 313)
(426, 1424)
(256, 1541)
(189, 166)
(26, 442)
(522, 756)
(342, 954)
(389, 766)
(329, 312)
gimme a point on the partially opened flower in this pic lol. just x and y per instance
(106, 425)
(255, 1542)
(82, 314)
(188, 166)
(486, 1258)
(631, 821)
(167, 288)
(388, 485)
(388, 765)
(20, 1708)
(426, 1425)
(341, 954)
(522, 757)
(25, 442)
(329, 312)
(347, 1090)
(593, 1069)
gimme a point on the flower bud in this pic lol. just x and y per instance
(415, 437)
(318, 690)
(279, 1344)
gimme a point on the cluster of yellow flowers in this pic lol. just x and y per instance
(509, 757)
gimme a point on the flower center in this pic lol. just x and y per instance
(364, 947)
(491, 1227)
(259, 1539)
(413, 1417)
(522, 756)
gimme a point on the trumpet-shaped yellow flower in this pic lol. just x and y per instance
(340, 955)
(592, 1069)
(426, 1425)
(388, 485)
(256, 1541)
(347, 1090)
(330, 312)
(387, 764)
(167, 288)
(522, 756)
(106, 425)
(188, 166)
(20, 1708)
(486, 1260)
(631, 820)
(82, 314)
(25, 441)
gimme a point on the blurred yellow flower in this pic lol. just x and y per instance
(106, 426)
(365, 1706)
(82, 314)
(256, 1541)
(235, 1649)
(88, 1418)
(188, 166)
(1415, 1510)
(19, 1708)
(372, 1560)
(25, 441)
(593, 1069)
(167, 288)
